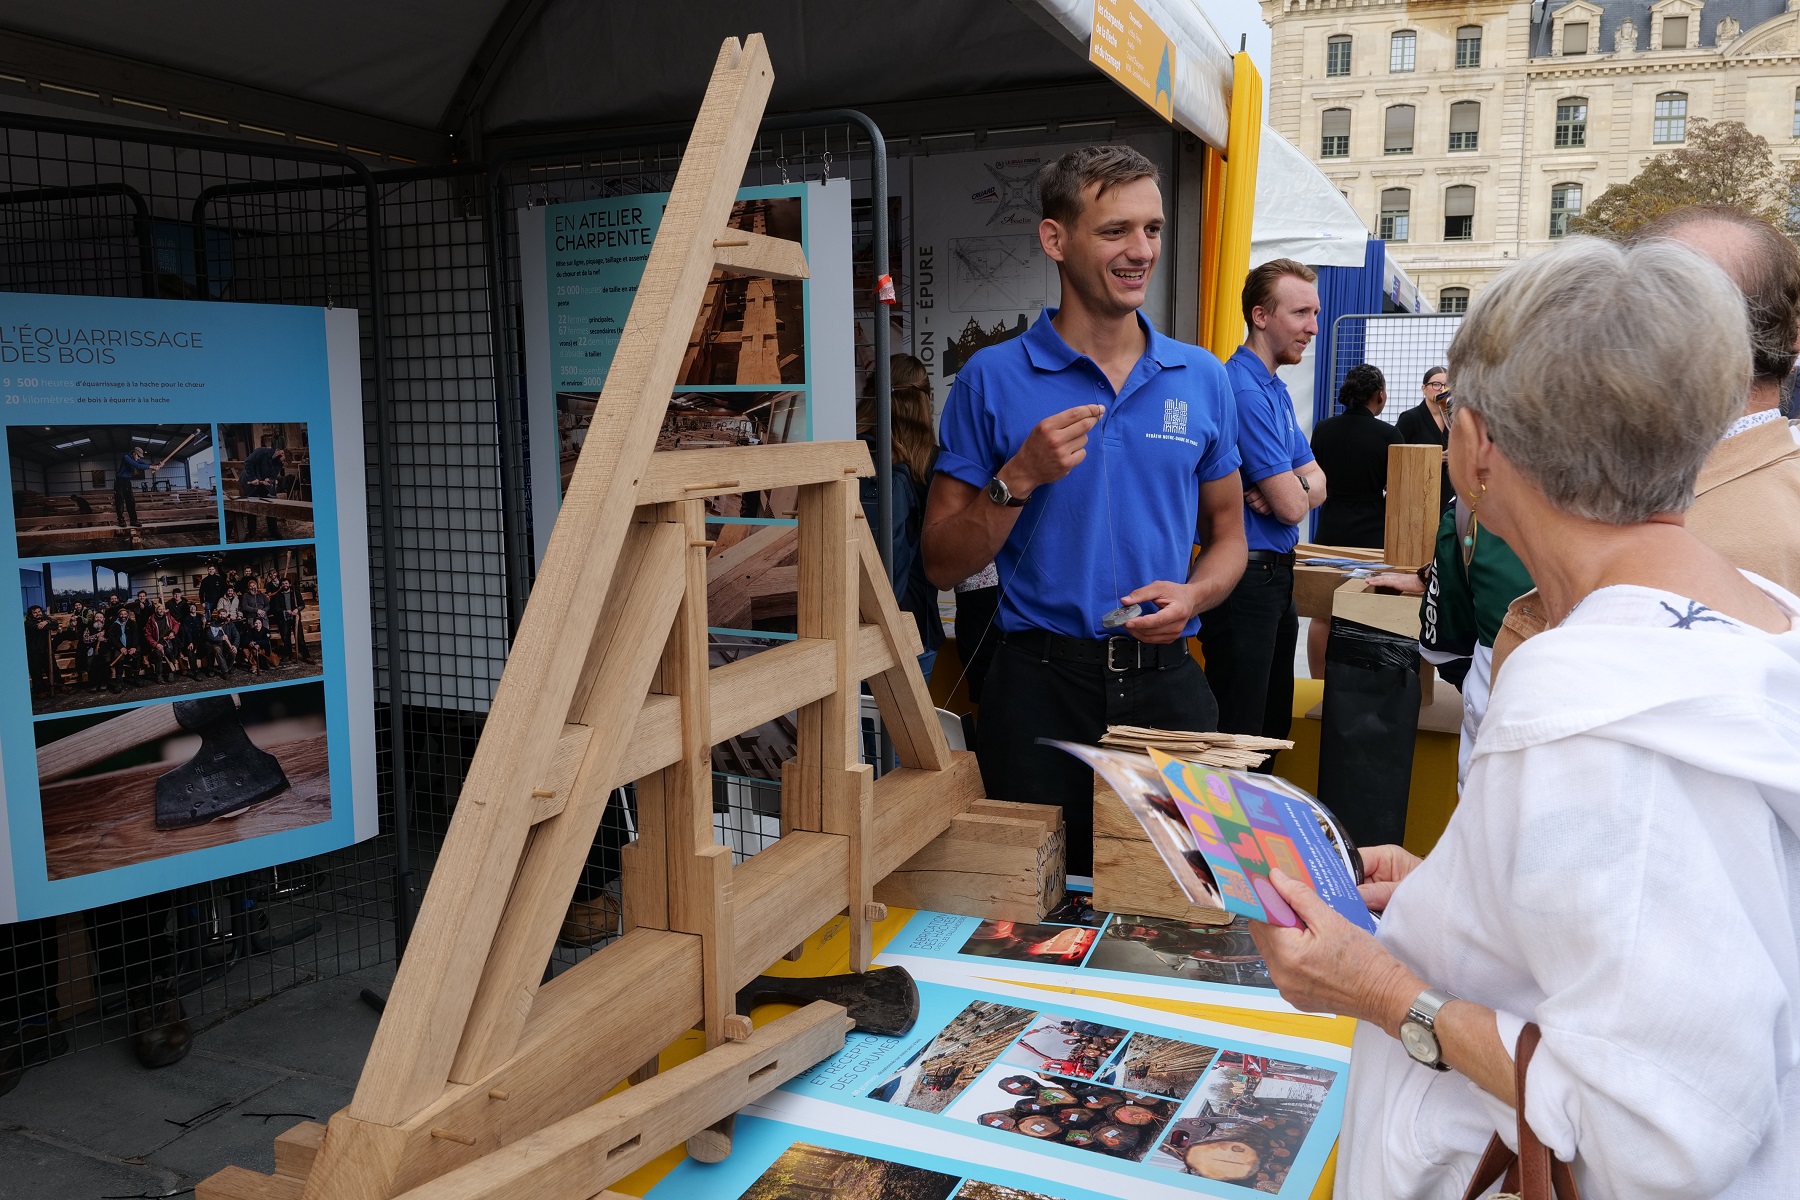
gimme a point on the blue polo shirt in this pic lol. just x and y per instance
(1170, 429)
(1269, 442)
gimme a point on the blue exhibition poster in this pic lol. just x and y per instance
(188, 694)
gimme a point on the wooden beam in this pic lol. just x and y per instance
(747, 253)
(728, 470)
(1414, 505)
(296, 1149)
(829, 728)
(1001, 861)
(560, 846)
(782, 894)
(914, 806)
(905, 702)
(409, 1063)
(236, 1183)
(595, 1148)
(848, 810)
(269, 506)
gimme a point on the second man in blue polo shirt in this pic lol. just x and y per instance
(1249, 639)
(1087, 458)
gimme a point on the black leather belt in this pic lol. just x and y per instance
(1271, 558)
(1116, 654)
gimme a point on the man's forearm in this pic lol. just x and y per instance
(1217, 570)
(965, 541)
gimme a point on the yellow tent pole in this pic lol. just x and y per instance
(1241, 150)
(1212, 220)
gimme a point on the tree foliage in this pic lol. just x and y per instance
(1722, 162)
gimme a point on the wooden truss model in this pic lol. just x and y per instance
(482, 1083)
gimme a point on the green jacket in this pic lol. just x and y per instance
(1465, 605)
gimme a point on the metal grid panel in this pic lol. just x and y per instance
(88, 211)
(1403, 345)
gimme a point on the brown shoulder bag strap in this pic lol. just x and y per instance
(1533, 1173)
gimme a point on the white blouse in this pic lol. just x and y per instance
(1624, 869)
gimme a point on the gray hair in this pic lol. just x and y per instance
(1607, 374)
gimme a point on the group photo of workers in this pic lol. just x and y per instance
(104, 631)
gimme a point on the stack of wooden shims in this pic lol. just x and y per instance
(1232, 751)
(483, 1084)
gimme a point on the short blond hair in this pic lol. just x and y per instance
(1606, 373)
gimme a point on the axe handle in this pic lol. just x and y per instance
(177, 450)
(97, 743)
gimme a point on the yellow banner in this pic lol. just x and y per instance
(1134, 50)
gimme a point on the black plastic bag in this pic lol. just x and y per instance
(1370, 718)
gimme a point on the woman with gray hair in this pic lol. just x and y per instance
(1624, 867)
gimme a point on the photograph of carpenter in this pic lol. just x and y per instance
(267, 476)
(98, 489)
(125, 630)
(126, 787)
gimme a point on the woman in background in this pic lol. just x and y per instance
(1427, 423)
(915, 452)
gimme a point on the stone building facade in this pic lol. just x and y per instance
(1469, 133)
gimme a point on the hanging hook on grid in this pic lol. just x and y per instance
(781, 165)
(825, 169)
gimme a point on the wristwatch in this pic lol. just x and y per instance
(999, 493)
(1304, 486)
(1418, 1032)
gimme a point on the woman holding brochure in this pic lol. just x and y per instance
(1637, 778)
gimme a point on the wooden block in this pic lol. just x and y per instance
(828, 731)
(912, 807)
(1129, 875)
(749, 253)
(295, 1149)
(1395, 613)
(727, 470)
(900, 692)
(782, 894)
(1414, 505)
(595, 1148)
(998, 867)
(644, 862)
(236, 1183)
(1313, 587)
(849, 811)
(738, 1028)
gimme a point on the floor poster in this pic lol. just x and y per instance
(1078, 946)
(188, 692)
(1096, 1099)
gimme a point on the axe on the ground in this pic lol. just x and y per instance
(883, 1001)
(227, 773)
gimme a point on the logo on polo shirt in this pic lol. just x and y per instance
(1174, 416)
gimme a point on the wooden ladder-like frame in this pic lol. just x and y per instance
(482, 1083)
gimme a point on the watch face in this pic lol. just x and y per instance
(1420, 1043)
(997, 492)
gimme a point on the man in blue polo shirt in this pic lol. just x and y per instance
(1249, 640)
(1087, 458)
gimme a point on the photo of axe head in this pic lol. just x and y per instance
(227, 773)
(883, 1001)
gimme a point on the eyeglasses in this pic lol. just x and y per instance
(1439, 384)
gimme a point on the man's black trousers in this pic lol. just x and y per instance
(1029, 695)
(1249, 643)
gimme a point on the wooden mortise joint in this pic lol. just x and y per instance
(738, 1028)
(450, 1135)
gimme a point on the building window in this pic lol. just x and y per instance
(1468, 46)
(1565, 204)
(1337, 54)
(1465, 125)
(1575, 37)
(1459, 213)
(1398, 138)
(1671, 118)
(1674, 33)
(1334, 133)
(1403, 51)
(1396, 214)
(1453, 300)
(1797, 112)
(1571, 121)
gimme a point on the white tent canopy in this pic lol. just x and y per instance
(1300, 214)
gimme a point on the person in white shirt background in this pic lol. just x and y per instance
(1624, 866)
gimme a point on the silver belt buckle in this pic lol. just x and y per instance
(1136, 657)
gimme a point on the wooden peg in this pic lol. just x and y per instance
(543, 793)
(497, 1093)
(738, 1028)
(708, 544)
(717, 242)
(874, 911)
(450, 1135)
(716, 485)
(794, 954)
(712, 1144)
